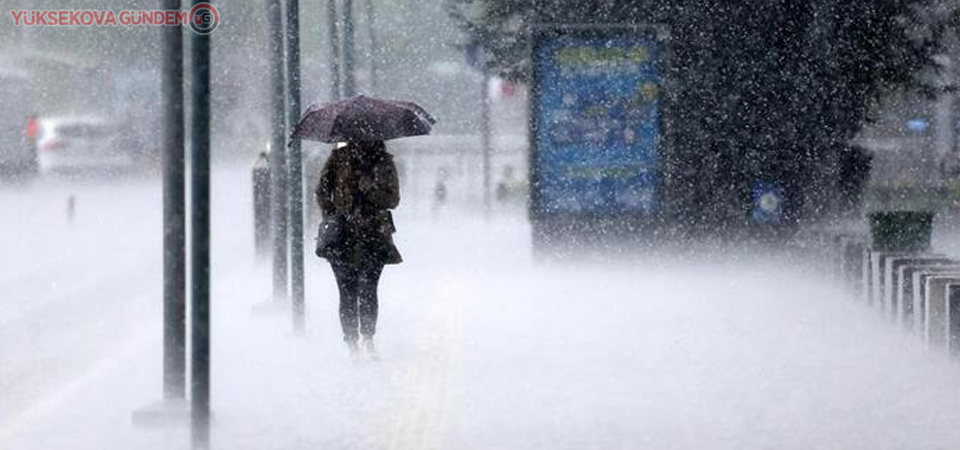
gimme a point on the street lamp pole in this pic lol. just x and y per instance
(278, 157)
(296, 166)
(374, 46)
(334, 37)
(174, 217)
(200, 240)
(349, 60)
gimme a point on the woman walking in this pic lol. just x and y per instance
(358, 187)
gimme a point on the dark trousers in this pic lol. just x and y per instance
(358, 298)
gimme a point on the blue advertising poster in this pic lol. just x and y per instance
(598, 130)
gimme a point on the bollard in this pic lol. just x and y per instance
(846, 258)
(852, 267)
(953, 318)
(866, 275)
(934, 330)
(901, 270)
(261, 205)
(919, 299)
(892, 281)
(908, 302)
(878, 281)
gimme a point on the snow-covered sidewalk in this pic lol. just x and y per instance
(482, 348)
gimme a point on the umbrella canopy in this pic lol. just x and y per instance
(363, 118)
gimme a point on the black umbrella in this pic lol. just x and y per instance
(363, 118)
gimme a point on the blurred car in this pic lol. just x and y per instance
(81, 143)
(17, 127)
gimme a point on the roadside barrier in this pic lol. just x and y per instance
(952, 316)
(903, 276)
(891, 269)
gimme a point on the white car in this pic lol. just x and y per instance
(81, 143)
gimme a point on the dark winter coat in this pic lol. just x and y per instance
(361, 186)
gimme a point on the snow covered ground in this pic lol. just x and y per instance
(481, 347)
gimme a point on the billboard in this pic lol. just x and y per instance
(595, 118)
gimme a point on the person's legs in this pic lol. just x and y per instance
(347, 283)
(369, 278)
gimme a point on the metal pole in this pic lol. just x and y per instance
(278, 157)
(374, 49)
(200, 241)
(296, 165)
(174, 217)
(334, 36)
(485, 137)
(349, 77)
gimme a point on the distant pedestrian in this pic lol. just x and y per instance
(358, 187)
(439, 192)
(506, 185)
(440, 189)
(71, 207)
